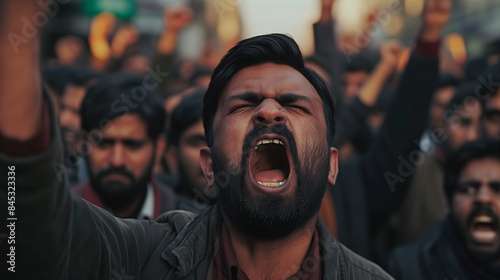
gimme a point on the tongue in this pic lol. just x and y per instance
(275, 175)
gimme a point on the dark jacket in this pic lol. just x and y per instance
(61, 236)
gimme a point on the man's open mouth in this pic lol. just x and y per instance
(484, 229)
(269, 162)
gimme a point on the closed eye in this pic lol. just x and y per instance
(301, 108)
(238, 107)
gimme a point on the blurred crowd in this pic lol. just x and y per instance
(130, 115)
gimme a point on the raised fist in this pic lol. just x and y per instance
(177, 18)
(435, 17)
(390, 52)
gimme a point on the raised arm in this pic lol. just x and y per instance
(397, 140)
(57, 235)
(20, 85)
(175, 20)
(352, 115)
(326, 45)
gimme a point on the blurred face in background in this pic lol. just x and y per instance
(69, 117)
(187, 155)
(491, 116)
(476, 205)
(463, 125)
(353, 81)
(438, 106)
(120, 165)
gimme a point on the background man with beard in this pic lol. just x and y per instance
(466, 244)
(269, 125)
(124, 133)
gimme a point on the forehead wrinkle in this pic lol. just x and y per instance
(247, 86)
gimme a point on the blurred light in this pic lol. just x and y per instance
(456, 44)
(229, 28)
(414, 7)
(283, 16)
(395, 25)
(350, 15)
(403, 59)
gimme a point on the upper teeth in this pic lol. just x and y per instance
(268, 141)
(484, 219)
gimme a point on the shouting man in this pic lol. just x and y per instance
(269, 125)
(466, 244)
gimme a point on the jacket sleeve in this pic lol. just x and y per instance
(350, 116)
(392, 157)
(325, 45)
(60, 236)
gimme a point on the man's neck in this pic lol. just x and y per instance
(276, 259)
(132, 209)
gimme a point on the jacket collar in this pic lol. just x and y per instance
(195, 244)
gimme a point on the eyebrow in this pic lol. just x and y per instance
(469, 182)
(282, 98)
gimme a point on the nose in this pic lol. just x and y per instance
(117, 157)
(473, 133)
(269, 112)
(484, 195)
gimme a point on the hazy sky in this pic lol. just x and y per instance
(282, 16)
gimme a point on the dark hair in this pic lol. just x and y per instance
(57, 77)
(474, 150)
(319, 60)
(463, 93)
(120, 94)
(475, 67)
(359, 62)
(447, 80)
(83, 77)
(273, 48)
(198, 73)
(187, 113)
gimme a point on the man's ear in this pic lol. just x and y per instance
(160, 145)
(206, 165)
(334, 166)
(171, 160)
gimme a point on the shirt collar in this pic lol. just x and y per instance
(147, 210)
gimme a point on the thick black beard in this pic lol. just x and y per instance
(476, 211)
(118, 196)
(269, 217)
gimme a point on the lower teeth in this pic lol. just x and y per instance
(271, 184)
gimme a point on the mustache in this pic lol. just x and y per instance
(122, 170)
(483, 210)
(260, 129)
